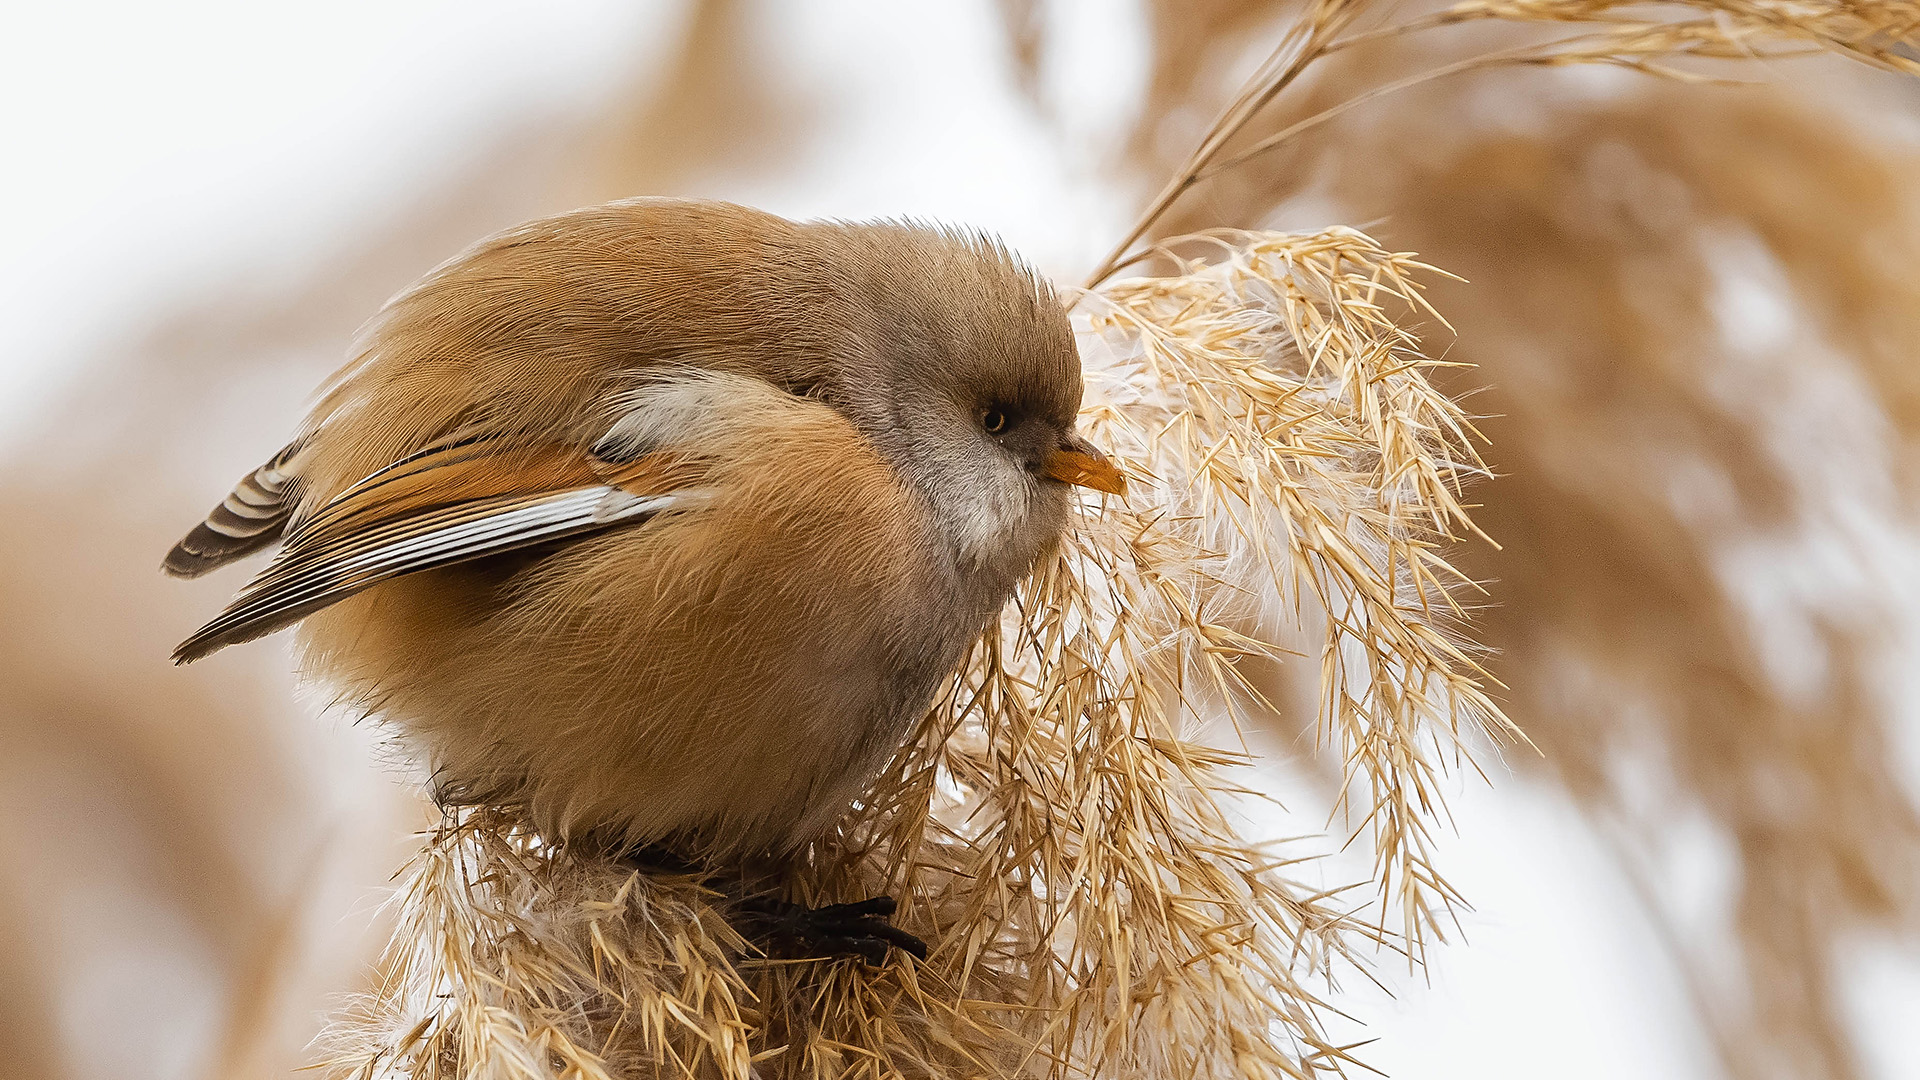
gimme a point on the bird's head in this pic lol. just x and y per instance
(967, 378)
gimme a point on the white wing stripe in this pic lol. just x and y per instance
(283, 592)
(561, 512)
(525, 524)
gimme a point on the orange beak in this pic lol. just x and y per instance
(1077, 462)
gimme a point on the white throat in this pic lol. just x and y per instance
(988, 519)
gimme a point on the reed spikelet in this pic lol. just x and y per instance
(1330, 470)
(1057, 831)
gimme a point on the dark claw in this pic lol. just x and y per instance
(882, 906)
(901, 940)
(870, 951)
(790, 931)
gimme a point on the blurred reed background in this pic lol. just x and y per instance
(1691, 310)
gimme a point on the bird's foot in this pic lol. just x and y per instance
(792, 932)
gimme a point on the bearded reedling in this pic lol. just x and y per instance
(664, 520)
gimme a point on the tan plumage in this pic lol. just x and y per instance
(665, 519)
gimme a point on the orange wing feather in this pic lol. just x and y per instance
(442, 506)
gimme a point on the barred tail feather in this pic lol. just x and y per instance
(252, 516)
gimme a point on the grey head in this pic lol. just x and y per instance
(962, 369)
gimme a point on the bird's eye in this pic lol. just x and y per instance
(994, 421)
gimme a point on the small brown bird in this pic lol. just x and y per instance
(664, 520)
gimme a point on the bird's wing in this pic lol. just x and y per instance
(442, 506)
(253, 515)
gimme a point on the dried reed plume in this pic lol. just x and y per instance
(1656, 37)
(1069, 852)
(1570, 204)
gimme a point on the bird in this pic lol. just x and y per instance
(663, 520)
